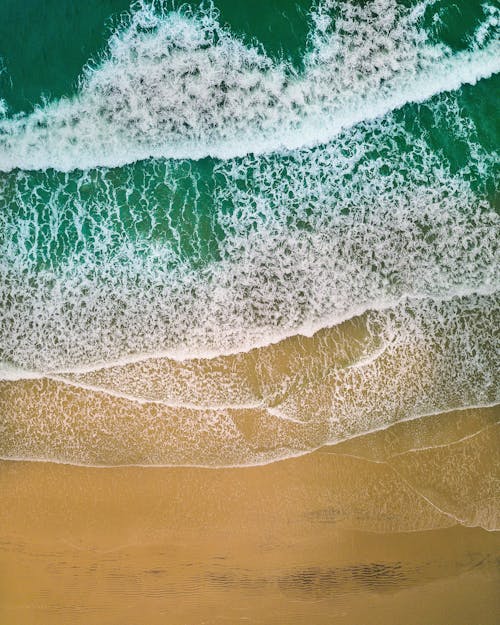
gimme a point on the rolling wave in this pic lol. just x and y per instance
(176, 84)
(170, 258)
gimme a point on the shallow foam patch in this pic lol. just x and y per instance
(426, 357)
(177, 84)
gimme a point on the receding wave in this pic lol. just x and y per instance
(267, 404)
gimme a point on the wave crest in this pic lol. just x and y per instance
(177, 84)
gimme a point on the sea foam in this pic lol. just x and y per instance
(188, 310)
(191, 260)
(436, 356)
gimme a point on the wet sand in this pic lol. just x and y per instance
(387, 528)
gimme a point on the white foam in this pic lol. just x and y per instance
(439, 356)
(140, 399)
(304, 241)
(185, 354)
(9, 373)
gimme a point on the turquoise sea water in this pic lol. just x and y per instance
(202, 179)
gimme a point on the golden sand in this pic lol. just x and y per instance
(387, 528)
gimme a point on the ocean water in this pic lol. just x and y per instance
(233, 233)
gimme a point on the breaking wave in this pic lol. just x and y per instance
(177, 84)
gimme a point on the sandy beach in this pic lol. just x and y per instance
(363, 532)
